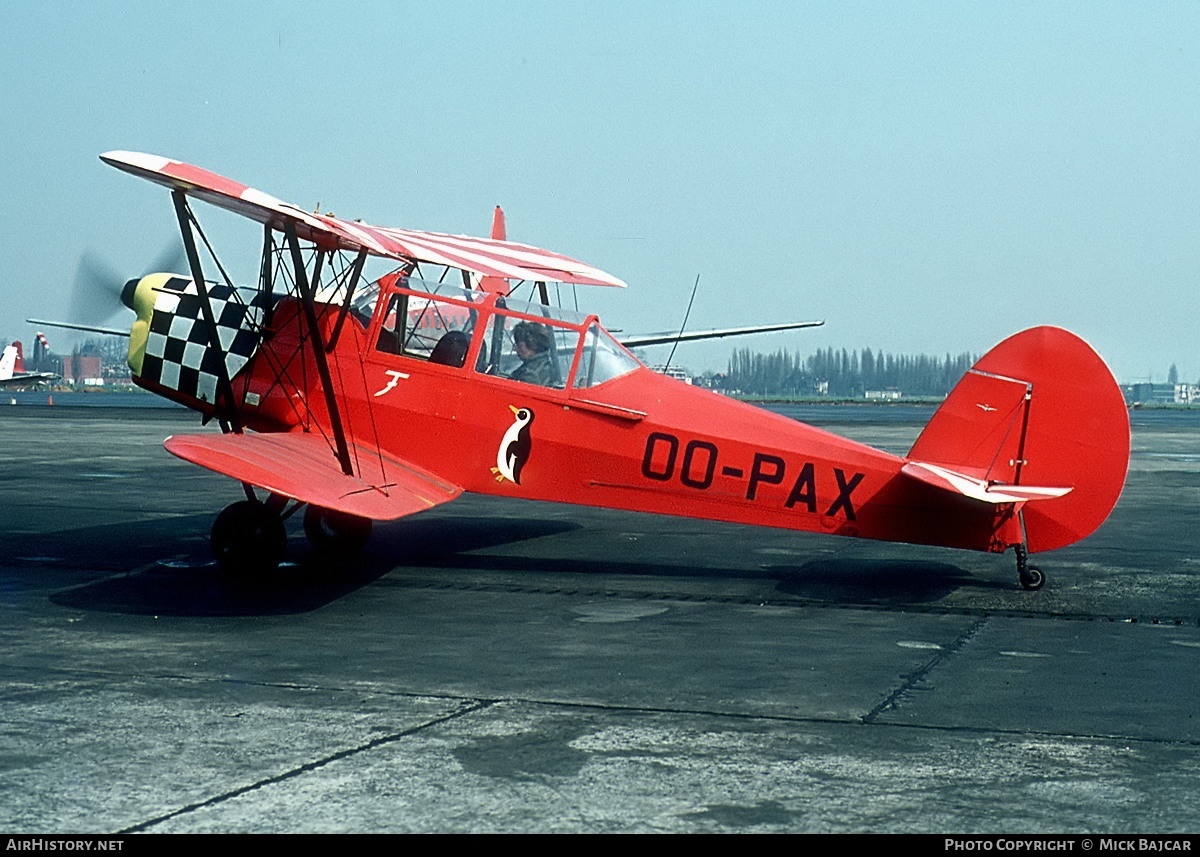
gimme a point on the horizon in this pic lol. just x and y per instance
(853, 353)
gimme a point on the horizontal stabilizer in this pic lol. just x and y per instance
(978, 489)
(303, 467)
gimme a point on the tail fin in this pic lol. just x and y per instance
(8, 361)
(19, 366)
(499, 233)
(1040, 411)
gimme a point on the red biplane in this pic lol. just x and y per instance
(368, 400)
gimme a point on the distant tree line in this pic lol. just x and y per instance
(843, 374)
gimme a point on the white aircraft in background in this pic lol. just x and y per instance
(12, 367)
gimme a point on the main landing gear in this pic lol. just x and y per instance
(248, 538)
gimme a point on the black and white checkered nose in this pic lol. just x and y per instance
(186, 341)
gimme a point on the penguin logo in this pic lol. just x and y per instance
(514, 447)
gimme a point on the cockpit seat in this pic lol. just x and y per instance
(451, 349)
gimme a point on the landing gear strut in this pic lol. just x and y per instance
(1031, 576)
(248, 538)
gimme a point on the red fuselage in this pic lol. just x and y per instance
(636, 440)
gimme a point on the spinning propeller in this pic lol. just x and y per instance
(98, 290)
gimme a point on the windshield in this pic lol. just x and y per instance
(603, 358)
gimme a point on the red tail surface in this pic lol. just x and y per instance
(499, 232)
(1041, 409)
(19, 366)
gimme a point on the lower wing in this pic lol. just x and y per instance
(303, 467)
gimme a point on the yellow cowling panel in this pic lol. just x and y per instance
(144, 296)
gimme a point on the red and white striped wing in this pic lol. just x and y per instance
(493, 258)
(484, 256)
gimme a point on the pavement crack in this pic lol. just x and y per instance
(479, 705)
(912, 679)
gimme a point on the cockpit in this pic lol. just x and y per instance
(491, 333)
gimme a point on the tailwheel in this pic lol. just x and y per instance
(1031, 576)
(248, 539)
(1033, 579)
(330, 531)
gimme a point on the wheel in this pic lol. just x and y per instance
(335, 532)
(248, 539)
(1032, 578)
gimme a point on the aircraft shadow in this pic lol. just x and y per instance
(170, 583)
(431, 540)
(448, 544)
(876, 581)
(192, 585)
(202, 589)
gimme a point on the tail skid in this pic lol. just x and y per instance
(1038, 420)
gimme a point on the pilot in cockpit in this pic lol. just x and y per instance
(532, 344)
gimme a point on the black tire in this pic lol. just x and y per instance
(248, 539)
(1033, 579)
(331, 532)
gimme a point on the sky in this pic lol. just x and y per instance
(926, 177)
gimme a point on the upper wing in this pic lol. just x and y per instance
(484, 256)
(302, 466)
(638, 339)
